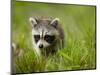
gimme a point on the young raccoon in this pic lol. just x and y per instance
(47, 35)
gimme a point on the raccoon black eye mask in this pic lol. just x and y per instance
(36, 37)
(48, 38)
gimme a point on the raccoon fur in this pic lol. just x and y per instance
(47, 35)
(17, 51)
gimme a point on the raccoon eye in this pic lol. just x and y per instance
(49, 38)
(36, 37)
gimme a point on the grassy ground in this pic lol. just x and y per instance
(78, 23)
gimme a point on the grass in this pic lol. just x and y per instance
(78, 23)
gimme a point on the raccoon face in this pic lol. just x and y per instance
(44, 32)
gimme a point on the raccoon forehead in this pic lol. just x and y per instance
(45, 26)
(35, 32)
(44, 32)
(43, 22)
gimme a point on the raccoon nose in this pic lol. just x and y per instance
(41, 46)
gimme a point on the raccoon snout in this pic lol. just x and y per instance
(41, 46)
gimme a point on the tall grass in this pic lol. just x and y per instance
(78, 23)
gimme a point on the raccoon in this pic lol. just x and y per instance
(47, 35)
(17, 51)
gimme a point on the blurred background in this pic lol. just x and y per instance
(79, 24)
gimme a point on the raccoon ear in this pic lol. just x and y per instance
(33, 21)
(54, 22)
